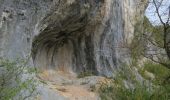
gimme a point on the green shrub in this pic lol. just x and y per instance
(157, 90)
(160, 72)
(140, 92)
(107, 92)
(16, 80)
(85, 74)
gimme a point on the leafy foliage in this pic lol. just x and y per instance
(157, 90)
(142, 37)
(16, 80)
(85, 74)
(159, 71)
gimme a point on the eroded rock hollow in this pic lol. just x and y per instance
(80, 36)
(69, 35)
(66, 38)
(63, 38)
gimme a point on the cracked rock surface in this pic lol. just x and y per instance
(71, 36)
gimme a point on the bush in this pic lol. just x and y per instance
(85, 74)
(160, 72)
(148, 90)
(140, 92)
(15, 80)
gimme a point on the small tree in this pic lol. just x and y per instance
(15, 80)
(157, 34)
(165, 23)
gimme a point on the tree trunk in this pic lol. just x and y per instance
(167, 40)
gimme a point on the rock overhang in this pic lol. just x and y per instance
(65, 25)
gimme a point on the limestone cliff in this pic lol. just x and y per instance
(69, 35)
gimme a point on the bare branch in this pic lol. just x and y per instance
(157, 61)
(167, 23)
(157, 11)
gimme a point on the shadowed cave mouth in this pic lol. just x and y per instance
(67, 43)
(69, 50)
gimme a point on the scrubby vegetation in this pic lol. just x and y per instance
(155, 84)
(120, 89)
(85, 74)
(160, 72)
(16, 80)
(155, 73)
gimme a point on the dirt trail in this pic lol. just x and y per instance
(71, 87)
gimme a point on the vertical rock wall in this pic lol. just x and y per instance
(69, 35)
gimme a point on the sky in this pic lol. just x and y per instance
(151, 12)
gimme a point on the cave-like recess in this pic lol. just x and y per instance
(80, 36)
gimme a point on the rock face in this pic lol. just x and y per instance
(69, 35)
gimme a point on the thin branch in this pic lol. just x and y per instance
(156, 61)
(167, 23)
(158, 13)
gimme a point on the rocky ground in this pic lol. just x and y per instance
(63, 86)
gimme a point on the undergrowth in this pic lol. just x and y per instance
(85, 74)
(16, 80)
(157, 89)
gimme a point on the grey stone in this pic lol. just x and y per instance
(69, 35)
